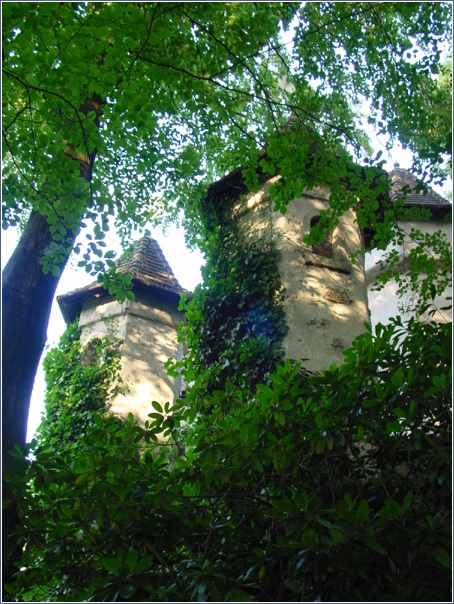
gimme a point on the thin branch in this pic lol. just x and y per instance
(239, 60)
(6, 128)
(241, 129)
(30, 184)
(145, 42)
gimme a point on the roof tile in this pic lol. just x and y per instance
(400, 178)
(148, 265)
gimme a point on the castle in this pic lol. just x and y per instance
(328, 297)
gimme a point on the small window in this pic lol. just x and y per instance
(325, 248)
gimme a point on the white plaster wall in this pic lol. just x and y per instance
(148, 327)
(102, 316)
(384, 304)
(326, 299)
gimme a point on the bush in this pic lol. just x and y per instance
(330, 487)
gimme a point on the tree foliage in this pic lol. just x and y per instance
(198, 88)
(166, 79)
(125, 111)
(106, 107)
(383, 54)
(431, 132)
(332, 487)
(274, 484)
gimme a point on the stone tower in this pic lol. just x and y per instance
(325, 291)
(148, 326)
(326, 295)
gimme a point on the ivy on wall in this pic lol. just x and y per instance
(235, 319)
(80, 383)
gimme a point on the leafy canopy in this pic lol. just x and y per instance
(124, 109)
(132, 89)
(288, 487)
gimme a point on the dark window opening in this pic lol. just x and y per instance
(325, 248)
(183, 388)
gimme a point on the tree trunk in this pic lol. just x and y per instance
(27, 300)
(27, 296)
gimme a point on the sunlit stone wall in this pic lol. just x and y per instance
(148, 327)
(326, 298)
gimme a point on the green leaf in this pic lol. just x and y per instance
(400, 413)
(143, 564)
(112, 565)
(131, 560)
(439, 380)
(362, 513)
(407, 501)
(397, 378)
(325, 523)
(442, 556)
(127, 591)
(279, 417)
(83, 464)
(244, 432)
(374, 545)
(157, 406)
(393, 427)
(368, 403)
(319, 445)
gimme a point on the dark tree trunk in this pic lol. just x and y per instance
(27, 296)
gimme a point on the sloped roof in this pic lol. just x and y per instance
(401, 179)
(148, 267)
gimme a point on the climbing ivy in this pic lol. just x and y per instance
(80, 383)
(235, 319)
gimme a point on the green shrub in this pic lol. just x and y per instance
(331, 487)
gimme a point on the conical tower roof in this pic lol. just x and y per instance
(148, 267)
(404, 184)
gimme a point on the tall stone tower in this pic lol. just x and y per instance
(325, 290)
(326, 295)
(148, 326)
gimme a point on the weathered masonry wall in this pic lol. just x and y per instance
(148, 327)
(326, 298)
(384, 304)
